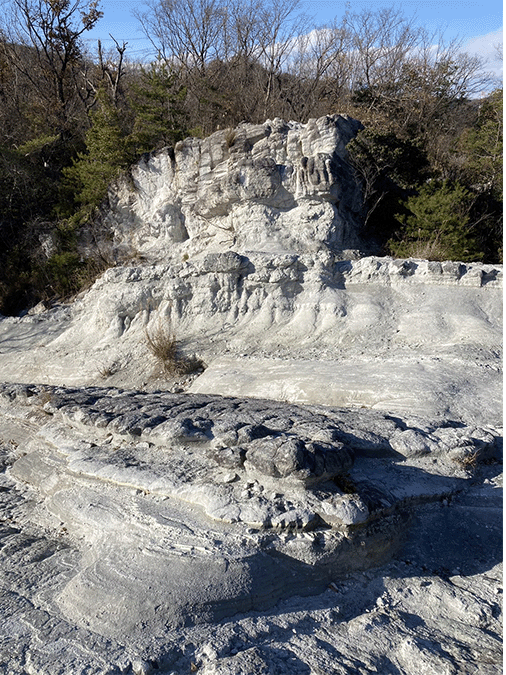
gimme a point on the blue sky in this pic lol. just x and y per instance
(476, 22)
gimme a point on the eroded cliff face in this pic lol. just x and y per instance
(277, 186)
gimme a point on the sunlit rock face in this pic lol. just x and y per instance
(404, 336)
(277, 186)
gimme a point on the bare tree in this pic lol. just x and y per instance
(406, 80)
(434, 82)
(380, 44)
(186, 34)
(43, 43)
(231, 53)
(316, 67)
(190, 37)
(243, 30)
(281, 24)
(106, 75)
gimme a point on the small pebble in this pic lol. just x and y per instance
(141, 667)
(229, 477)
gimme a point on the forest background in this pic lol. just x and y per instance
(72, 121)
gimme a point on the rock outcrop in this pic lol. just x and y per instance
(272, 187)
(146, 514)
(323, 497)
(402, 336)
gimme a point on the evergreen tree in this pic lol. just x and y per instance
(478, 162)
(480, 148)
(437, 226)
(106, 156)
(157, 104)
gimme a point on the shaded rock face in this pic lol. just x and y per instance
(277, 186)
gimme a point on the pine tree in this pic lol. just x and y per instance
(437, 226)
(106, 156)
(480, 148)
(157, 104)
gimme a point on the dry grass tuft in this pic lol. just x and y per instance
(424, 249)
(162, 343)
(44, 397)
(469, 461)
(106, 371)
(230, 137)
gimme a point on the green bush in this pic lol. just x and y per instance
(437, 225)
(62, 272)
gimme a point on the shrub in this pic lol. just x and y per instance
(162, 343)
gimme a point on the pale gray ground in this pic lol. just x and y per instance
(132, 533)
(326, 497)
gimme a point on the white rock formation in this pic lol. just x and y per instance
(394, 335)
(207, 522)
(271, 187)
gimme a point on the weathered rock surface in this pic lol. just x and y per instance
(144, 514)
(402, 336)
(324, 498)
(273, 187)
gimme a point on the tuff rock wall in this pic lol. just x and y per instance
(277, 186)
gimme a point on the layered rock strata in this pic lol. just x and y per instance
(277, 186)
(404, 336)
(184, 509)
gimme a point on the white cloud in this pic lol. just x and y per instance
(486, 46)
